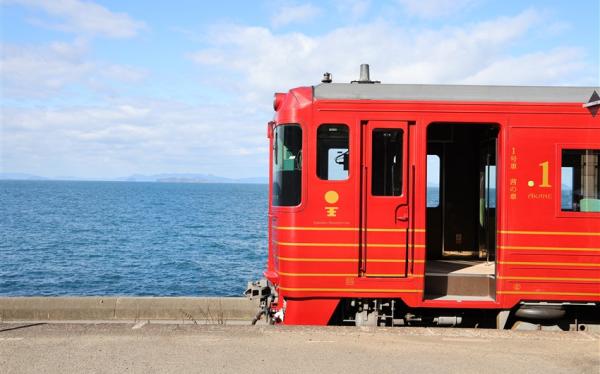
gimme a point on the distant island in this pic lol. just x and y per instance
(160, 178)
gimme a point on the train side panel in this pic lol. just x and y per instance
(548, 251)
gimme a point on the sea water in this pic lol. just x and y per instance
(130, 238)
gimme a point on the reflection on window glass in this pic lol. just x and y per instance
(386, 175)
(490, 186)
(566, 176)
(580, 180)
(433, 181)
(333, 156)
(287, 165)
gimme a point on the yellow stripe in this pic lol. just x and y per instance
(395, 275)
(299, 228)
(304, 259)
(297, 244)
(546, 263)
(318, 274)
(552, 279)
(393, 230)
(372, 245)
(548, 293)
(581, 233)
(518, 247)
(321, 228)
(346, 275)
(387, 290)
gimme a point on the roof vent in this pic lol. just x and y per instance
(364, 75)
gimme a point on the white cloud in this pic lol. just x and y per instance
(355, 9)
(269, 62)
(288, 14)
(86, 18)
(41, 71)
(560, 66)
(434, 8)
(145, 136)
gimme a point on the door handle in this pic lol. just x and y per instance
(401, 218)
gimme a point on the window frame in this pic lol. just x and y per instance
(300, 205)
(316, 169)
(403, 165)
(558, 179)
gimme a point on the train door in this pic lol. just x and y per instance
(461, 211)
(384, 218)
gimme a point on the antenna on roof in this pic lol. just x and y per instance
(364, 75)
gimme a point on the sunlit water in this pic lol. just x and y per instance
(122, 238)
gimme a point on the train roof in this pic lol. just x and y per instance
(431, 92)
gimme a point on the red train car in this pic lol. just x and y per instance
(398, 204)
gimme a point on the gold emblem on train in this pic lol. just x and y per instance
(331, 197)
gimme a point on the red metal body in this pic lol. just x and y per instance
(543, 253)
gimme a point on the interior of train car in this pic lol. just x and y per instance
(461, 211)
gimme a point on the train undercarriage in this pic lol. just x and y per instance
(527, 315)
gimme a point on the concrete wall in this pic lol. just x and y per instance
(190, 309)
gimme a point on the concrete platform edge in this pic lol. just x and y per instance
(190, 309)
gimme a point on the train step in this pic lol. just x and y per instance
(443, 284)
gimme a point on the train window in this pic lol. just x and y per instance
(433, 181)
(386, 175)
(489, 184)
(580, 180)
(566, 177)
(333, 156)
(287, 165)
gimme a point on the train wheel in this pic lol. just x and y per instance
(366, 315)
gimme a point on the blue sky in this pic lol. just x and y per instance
(111, 88)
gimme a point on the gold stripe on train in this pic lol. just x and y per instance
(299, 244)
(535, 248)
(372, 245)
(402, 275)
(385, 260)
(347, 275)
(315, 228)
(576, 233)
(387, 290)
(547, 263)
(556, 293)
(305, 259)
(313, 259)
(317, 274)
(321, 228)
(550, 279)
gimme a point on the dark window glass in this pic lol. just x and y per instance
(333, 157)
(580, 180)
(386, 162)
(287, 165)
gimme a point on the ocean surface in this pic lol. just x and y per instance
(128, 238)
